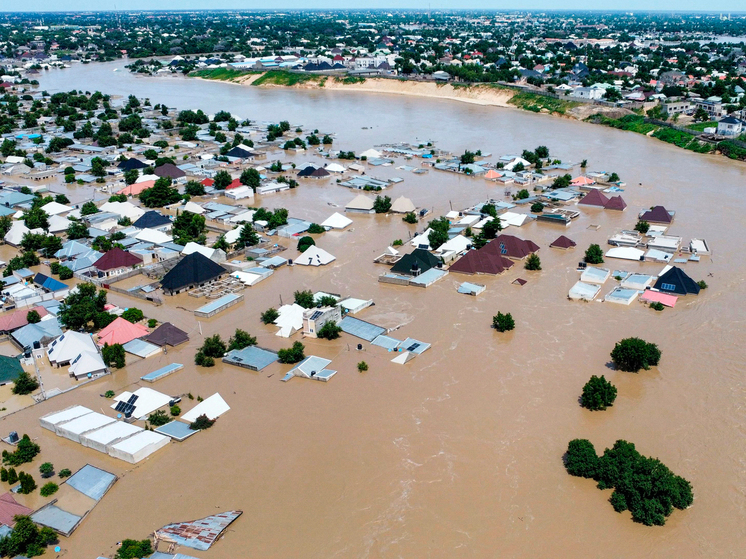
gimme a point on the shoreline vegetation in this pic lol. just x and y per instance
(481, 94)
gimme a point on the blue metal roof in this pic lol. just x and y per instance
(162, 372)
(252, 357)
(48, 283)
(57, 519)
(177, 430)
(92, 482)
(360, 328)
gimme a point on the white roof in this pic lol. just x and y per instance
(213, 407)
(86, 362)
(335, 168)
(69, 345)
(145, 178)
(336, 221)
(232, 235)
(392, 251)
(55, 418)
(468, 220)
(148, 400)
(248, 278)
(290, 320)
(515, 162)
(240, 192)
(371, 154)
(422, 239)
(194, 208)
(402, 205)
(15, 234)
(123, 209)
(153, 236)
(83, 424)
(204, 251)
(54, 208)
(595, 275)
(584, 291)
(457, 244)
(314, 256)
(361, 202)
(138, 446)
(110, 433)
(512, 218)
(248, 215)
(57, 223)
(625, 253)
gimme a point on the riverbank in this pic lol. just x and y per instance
(480, 94)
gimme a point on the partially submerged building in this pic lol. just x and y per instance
(194, 270)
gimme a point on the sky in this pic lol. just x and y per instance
(626, 5)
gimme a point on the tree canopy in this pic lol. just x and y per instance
(633, 354)
(160, 194)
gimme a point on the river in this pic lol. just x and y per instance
(458, 453)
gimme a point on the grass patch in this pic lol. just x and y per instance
(280, 77)
(682, 140)
(632, 123)
(636, 123)
(348, 80)
(535, 103)
(732, 151)
(222, 74)
(700, 126)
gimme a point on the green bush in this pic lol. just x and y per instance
(594, 255)
(48, 489)
(657, 306)
(304, 243)
(316, 229)
(25, 451)
(152, 322)
(28, 485)
(46, 469)
(65, 473)
(158, 418)
(133, 315)
(702, 284)
(642, 226)
(202, 422)
(240, 340)
(270, 315)
(329, 331)
(134, 549)
(537, 207)
(65, 273)
(598, 394)
(175, 410)
(410, 217)
(503, 322)
(305, 299)
(113, 355)
(581, 459)
(24, 384)
(294, 354)
(362, 367)
(533, 262)
(633, 354)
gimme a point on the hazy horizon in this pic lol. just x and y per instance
(674, 6)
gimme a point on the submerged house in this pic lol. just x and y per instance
(194, 270)
(416, 263)
(658, 214)
(483, 261)
(115, 262)
(676, 281)
(513, 247)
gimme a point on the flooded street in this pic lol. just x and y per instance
(457, 453)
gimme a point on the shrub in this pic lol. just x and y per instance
(643, 485)
(270, 315)
(598, 394)
(304, 243)
(305, 299)
(292, 354)
(203, 360)
(240, 340)
(27, 483)
(657, 306)
(410, 217)
(397, 243)
(175, 410)
(65, 473)
(24, 384)
(109, 394)
(316, 229)
(329, 331)
(158, 418)
(134, 549)
(54, 267)
(633, 354)
(113, 355)
(537, 207)
(702, 284)
(152, 322)
(202, 422)
(642, 226)
(382, 204)
(503, 322)
(12, 476)
(133, 315)
(213, 346)
(46, 469)
(48, 489)
(362, 367)
(65, 273)
(32, 317)
(594, 255)
(533, 262)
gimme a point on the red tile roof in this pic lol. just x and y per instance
(116, 258)
(511, 246)
(481, 262)
(594, 198)
(13, 321)
(562, 242)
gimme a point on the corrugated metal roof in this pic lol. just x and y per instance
(199, 534)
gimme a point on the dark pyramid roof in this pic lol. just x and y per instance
(594, 198)
(320, 172)
(151, 219)
(116, 258)
(193, 269)
(131, 164)
(306, 171)
(481, 262)
(658, 214)
(240, 151)
(676, 281)
(511, 246)
(421, 257)
(562, 242)
(167, 333)
(616, 203)
(169, 170)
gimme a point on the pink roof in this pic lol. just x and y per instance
(581, 180)
(492, 174)
(10, 508)
(121, 331)
(13, 321)
(658, 297)
(137, 188)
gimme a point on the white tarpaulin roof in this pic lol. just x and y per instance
(148, 400)
(336, 221)
(314, 256)
(110, 434)
(212, 407)
(50, 421)
(138, 447)
(625, 253)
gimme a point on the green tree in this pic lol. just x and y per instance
(194, 188)
(410, 217)
(46, 469)
(133, 315)
(98, 167)
(642, 226)
(240, 340)
(26, 539)
(594, 255)
(542, 152)
(158, 418)
(134, 549)
(329, 331)
(294, 354)
(598, 394)
(633, 354)
(28, 485)
(250, 177)
(362, 367)
(316, 229)
(382, 204)
(131, 175)
(537, 207)
(25, 451)
(77, 230)
(65, 273)
(491, 228)
(113, 355)
(222, 180)
(201, 423)
(212, 347)
(533, 262)
(503, 322)
(32, 317)
(581, 459)
(614, 177)
(25, 383)
(189, 227)
(270, 315)
(48, 489)
(82, 307)
(65, 473)
(89, 208)
(247, 237)
(304, 243)
(439, 232)
(305, 299)
(160, 194)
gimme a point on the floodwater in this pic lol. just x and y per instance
(458, 453)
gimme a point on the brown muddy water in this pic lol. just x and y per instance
(458, 453)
